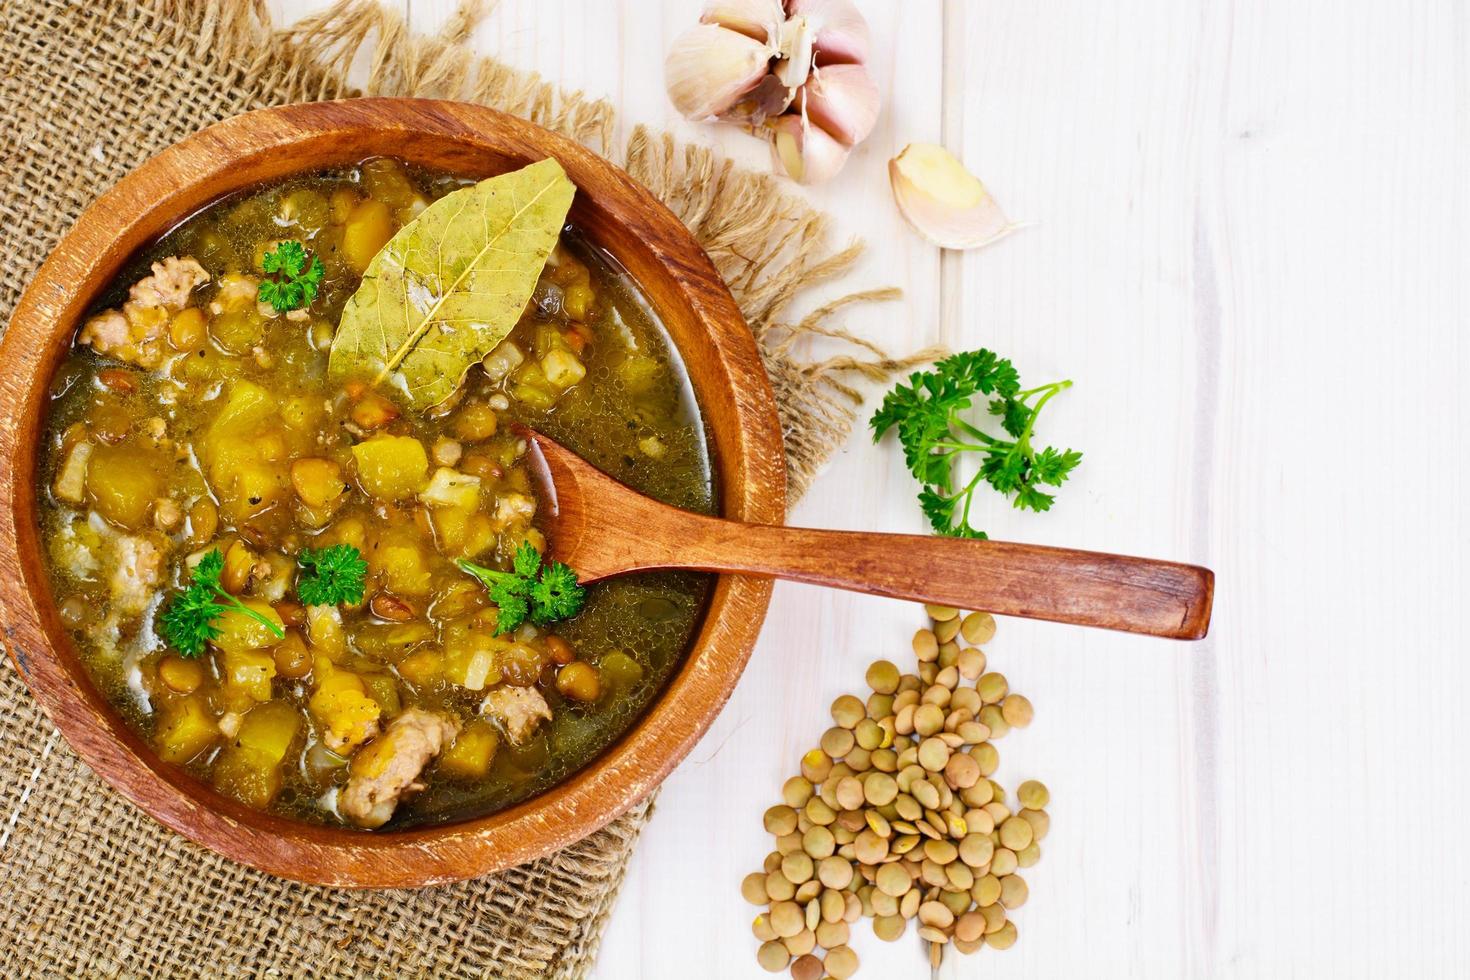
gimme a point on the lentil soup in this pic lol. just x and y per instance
(194, 429)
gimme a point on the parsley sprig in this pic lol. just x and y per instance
(332, 575)
(189, 621)
(296, 281)
(927, 414)
(544, 593)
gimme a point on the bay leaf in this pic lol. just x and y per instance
(451, 284)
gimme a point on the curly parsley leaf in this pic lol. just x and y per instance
(297, 280)
(336, 575)
(928, 415)
(188, 622)
(556, 595)
(545, 594)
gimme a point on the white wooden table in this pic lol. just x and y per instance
(1253, 257)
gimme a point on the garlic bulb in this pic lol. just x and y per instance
(807, 154)
(794, 72)
(943, 201)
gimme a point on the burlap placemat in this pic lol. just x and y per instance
(89, 89)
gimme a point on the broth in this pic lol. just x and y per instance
(205, 422)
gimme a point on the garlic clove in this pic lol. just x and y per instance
(795, 66)
(842, 100)
(943, 201)
(806, 153)
(840, 32)
(710, 69)
(757, 19)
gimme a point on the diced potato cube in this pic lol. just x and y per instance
(563, 368)
(505, 358)
(71, 478)
(186, 729)
(391, 467)
(449, 488)
(470, 755)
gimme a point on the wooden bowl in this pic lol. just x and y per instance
(622, 217)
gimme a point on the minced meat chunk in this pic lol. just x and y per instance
(138, 332)
(388, 768)
(518, 709)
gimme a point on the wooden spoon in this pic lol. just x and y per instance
(602, 528)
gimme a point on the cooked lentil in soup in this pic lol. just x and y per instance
(190, 419)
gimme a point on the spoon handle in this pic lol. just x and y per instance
(1136, 595)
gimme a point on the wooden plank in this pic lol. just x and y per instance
(1251, 255)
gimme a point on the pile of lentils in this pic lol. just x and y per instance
(895, 816)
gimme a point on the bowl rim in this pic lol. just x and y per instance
(707, 326)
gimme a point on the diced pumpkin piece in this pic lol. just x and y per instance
(638, 373)
(342, 705)
(421, 666)
(122, 484)
(246, 406)
(460, 532)
(239, 632)
(470, 755)
(470, 659)
(391, 467)
(249, 768)
(383, 689)
(302, 413)
(368, 228)
(185, 730)
(318, 482)
(269, 729)
(248, 672)
(324, 630)
(402, 567)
